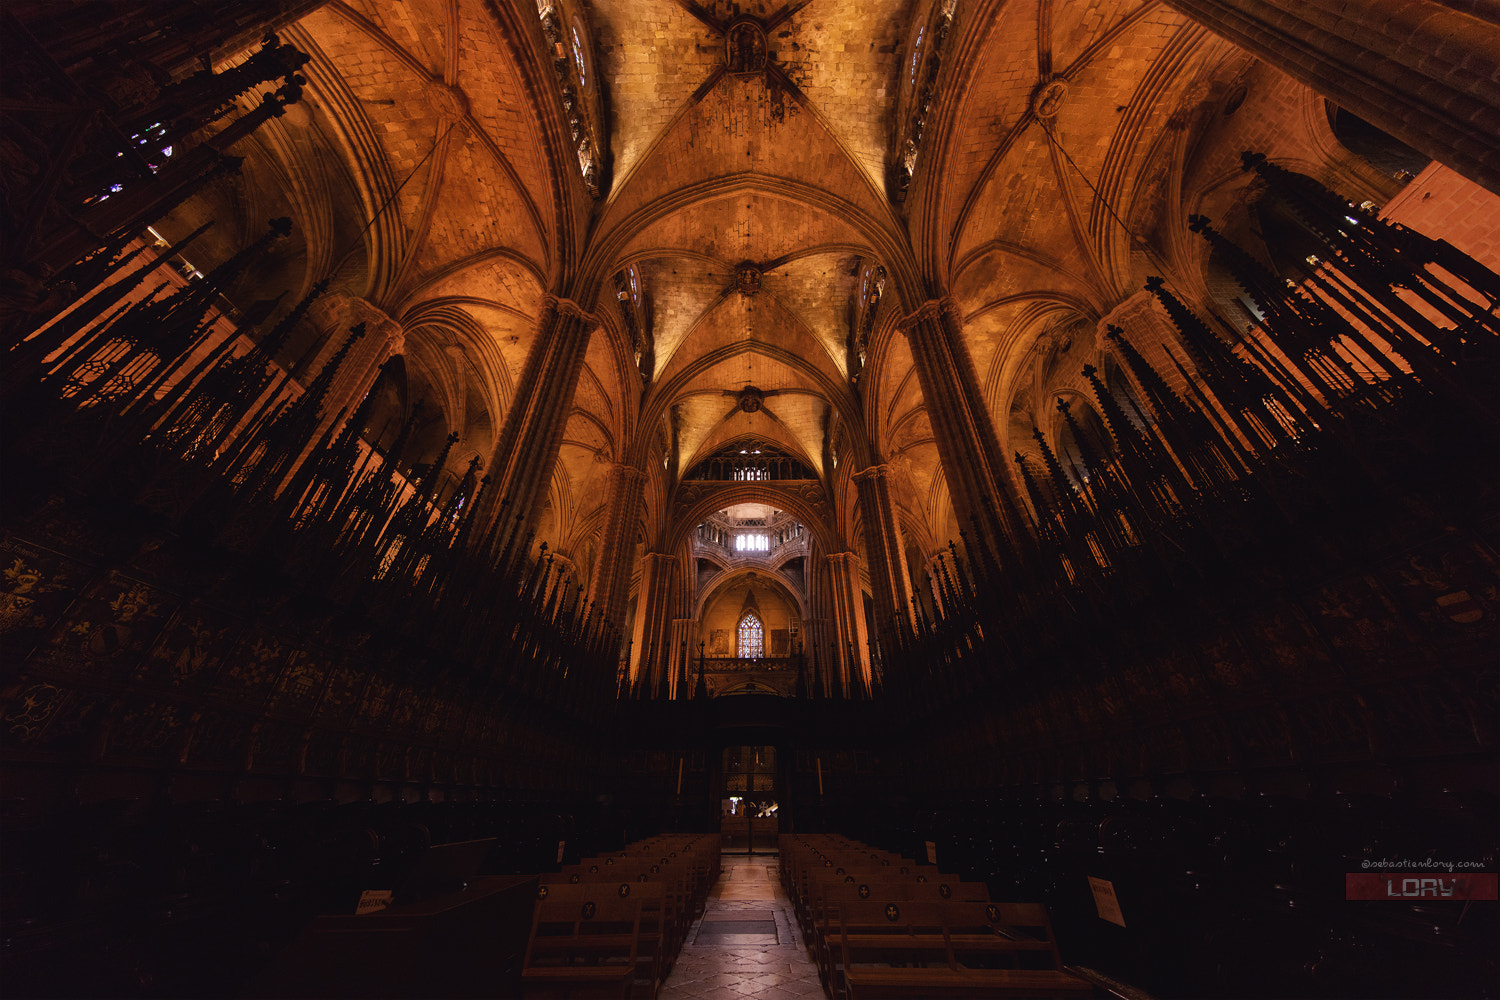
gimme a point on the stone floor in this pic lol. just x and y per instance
(754, 951)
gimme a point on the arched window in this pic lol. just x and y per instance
(752, 636)
(916, 54)
(579, 61)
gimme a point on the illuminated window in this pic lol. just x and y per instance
(752, 636)
(578, 60)
(752, 543)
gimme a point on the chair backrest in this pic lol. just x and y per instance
(870, 888)
(893, 916)
(602, 924)
(1028, 916)
(944, 888)
(1028, 920)
(938, 889)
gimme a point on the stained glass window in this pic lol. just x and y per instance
(752, 636)
(583, 71)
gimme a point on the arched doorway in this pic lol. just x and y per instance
(748, 820)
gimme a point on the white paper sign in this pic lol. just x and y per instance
(1105, 901)
(931, 852)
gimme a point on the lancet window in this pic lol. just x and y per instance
(752, 637)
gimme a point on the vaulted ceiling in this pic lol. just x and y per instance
(751, 222)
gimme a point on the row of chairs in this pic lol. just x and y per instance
(611, 926)
(880, 925)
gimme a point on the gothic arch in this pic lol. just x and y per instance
(812, 510)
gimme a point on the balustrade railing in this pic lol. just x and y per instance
(750, 539)
(721, 664)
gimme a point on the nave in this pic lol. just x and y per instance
(829, 916)
(444, 442)
(746, 943)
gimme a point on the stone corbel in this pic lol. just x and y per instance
(931, 311)
(339, 310)
(1132, 314)
(568, 309)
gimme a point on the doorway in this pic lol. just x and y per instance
(748, 820)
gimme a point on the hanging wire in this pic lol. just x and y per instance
(1146, 247)
(392, 197)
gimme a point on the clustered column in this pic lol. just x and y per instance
(679, 684)
(1142, 322)
(383, 339)
(622, 512)
(1151, 333)
(1419, 69)
(526, 450)
(817, 643)
(966, 440)
(851, 662)
(334, 316)
(931, 594)
(883, 548)
(654, 606)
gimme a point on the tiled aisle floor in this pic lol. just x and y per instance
(745, 965)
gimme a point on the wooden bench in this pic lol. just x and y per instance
(1017, 934)
(670, 876)
(653, 948)
(923, 948)
(825, 940)
(583, 947)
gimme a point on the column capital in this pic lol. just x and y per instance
(881, 471)
(930, 311)
(627, 473)
(1142, 303)
(340, 310)
(569, 309)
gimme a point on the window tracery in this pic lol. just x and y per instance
(570, 48)
(750, 461)
(752, 636)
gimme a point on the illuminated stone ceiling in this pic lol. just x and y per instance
(750, 189)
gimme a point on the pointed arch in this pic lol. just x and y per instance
(750, 636)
